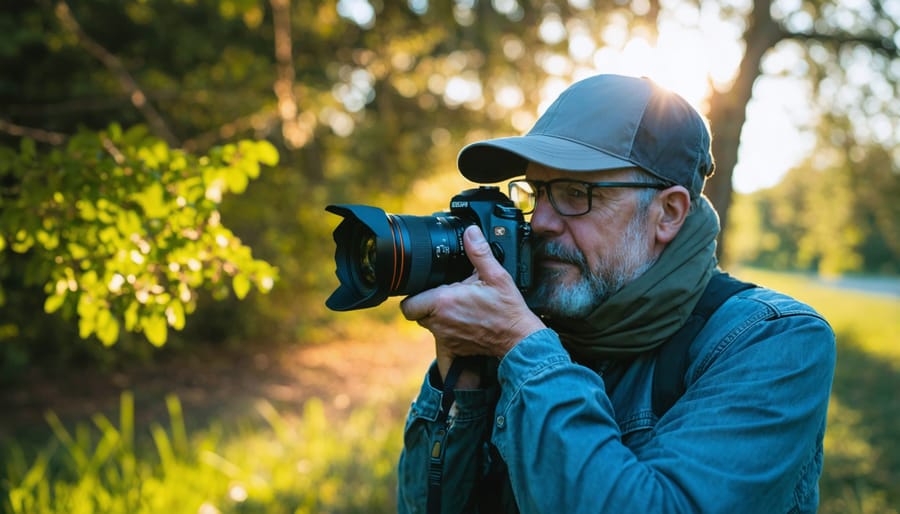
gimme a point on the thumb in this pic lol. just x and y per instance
(480, 255)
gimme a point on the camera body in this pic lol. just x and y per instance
(503, 226)
(379, 255)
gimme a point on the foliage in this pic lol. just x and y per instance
(836, 213)
(367, 120)
(121, 230)
(845, 53)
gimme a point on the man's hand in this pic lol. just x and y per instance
(483, 315)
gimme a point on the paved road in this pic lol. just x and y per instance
(888, 286)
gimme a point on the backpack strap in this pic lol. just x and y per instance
(672, 357)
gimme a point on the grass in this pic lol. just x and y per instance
(292, 466)
(274, 463)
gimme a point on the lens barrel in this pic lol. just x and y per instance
(379, 255)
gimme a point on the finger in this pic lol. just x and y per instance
(479, 252)
(473, 278)
(415, 307)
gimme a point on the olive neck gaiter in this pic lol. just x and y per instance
(650, 309)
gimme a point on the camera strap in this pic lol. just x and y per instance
(436, 460)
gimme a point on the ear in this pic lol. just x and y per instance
(674, 204)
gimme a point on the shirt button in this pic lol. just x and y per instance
(501, 421)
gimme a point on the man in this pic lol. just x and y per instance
(560, 416)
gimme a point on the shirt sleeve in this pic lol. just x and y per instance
(735, 442)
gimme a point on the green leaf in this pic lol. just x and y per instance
(107, 327)
(77, 251)
(131, 316)
(155, 329)
(87, 210)
(175, 315)
(54, 302)
(23, 242)
(85, 326)
(87, 308)
(49, 240)
(241, 285)
(8, 158)
(108, 234)
(267, 153)
(128, 222)
(160, 151)
(89, 279)
(236, 179)
(115, 132)
(152, 201)
(27, 148)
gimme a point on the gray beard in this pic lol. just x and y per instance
(549, 297)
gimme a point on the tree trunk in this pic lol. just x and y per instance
(728, 109)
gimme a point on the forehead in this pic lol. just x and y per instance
(536, 171)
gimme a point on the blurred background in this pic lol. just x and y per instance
(165, 254)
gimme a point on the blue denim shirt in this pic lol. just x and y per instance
(745, 437)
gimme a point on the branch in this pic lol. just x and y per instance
(137, 96)
(69, 105)
(44, 136)
(258, 121)
(883, 45)
(113, 150)
(295, 134)
(652, 16)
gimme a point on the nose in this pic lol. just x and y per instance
(544, 219)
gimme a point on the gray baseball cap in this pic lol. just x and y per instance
(604, 122)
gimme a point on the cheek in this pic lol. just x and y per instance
(594, 243)
(602, 242)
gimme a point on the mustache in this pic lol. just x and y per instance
(547, 249)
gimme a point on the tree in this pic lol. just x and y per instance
(119, 228)
(834, 213)
(360, 100)
(830, 35)
(841, 50)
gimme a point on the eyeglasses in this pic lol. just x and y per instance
(568, 197)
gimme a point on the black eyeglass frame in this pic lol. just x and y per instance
(538, 185)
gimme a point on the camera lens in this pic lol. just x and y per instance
(367, 259)
(430, 252)
(380, 255)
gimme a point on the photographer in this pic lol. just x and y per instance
(563, 400)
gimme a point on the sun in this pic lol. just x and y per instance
(691, 61)
(685, 60)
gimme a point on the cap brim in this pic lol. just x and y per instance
(495, 160)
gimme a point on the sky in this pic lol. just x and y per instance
(696, 48)
(684, 60)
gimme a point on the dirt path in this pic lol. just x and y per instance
(212, 384)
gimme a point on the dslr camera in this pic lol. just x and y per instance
(379, 255)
